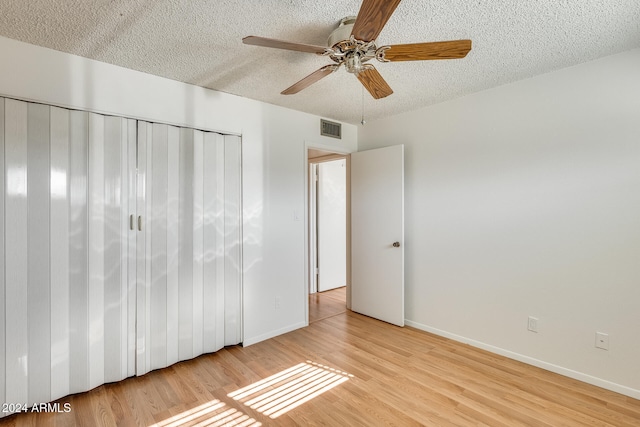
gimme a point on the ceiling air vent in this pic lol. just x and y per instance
(327, 128)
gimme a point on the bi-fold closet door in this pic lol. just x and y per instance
(188, 244)
(65, 314)
(120, 248)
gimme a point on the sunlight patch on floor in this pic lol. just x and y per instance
(286, 390)
(210, 414)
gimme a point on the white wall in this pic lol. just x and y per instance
(525, 200)
(274, 159)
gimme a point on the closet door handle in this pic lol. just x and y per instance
(140, 223)
(131, 222)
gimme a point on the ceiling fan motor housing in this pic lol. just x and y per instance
(343, 32)
(345, 49)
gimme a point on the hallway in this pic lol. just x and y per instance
(327, 304)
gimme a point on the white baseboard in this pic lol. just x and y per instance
(254, 340)
(618, 388)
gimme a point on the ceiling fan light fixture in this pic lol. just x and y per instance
(353, 63)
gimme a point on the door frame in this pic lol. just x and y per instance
(337, 154)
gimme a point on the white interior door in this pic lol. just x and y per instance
(313, 228)
(332, 225)
(377, 233)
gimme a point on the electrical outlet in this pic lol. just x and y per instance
(532, 324)
(278, 302)
(602, 340)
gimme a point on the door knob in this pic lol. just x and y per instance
(396, 244)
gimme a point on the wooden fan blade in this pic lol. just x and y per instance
(372, 17)
(310, 79)
(421, 51)
(281, 44)
(374, 83)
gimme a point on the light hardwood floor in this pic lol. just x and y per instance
(346, 370)
(327, 304)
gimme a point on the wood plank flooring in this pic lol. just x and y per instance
(327, 304)
(346, 370)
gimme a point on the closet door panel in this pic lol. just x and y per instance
(198, 243)
(96, 249)
(220, 260)
(185, 244)
(143, 355)
(114, 306)
(122, 233)
(38, 294)
(16, 237)
(78, 251)
(213, 241)
(233, 240)
(59, 250)
(144, 225)
(173, 201)
(131, 232)
(157, 223)
(3, 337)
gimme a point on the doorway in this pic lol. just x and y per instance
(328, 233)
(375, 242)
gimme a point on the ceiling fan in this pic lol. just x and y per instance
(353, 44)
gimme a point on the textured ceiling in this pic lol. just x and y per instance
(200, 42)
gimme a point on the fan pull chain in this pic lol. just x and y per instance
(362, 121)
